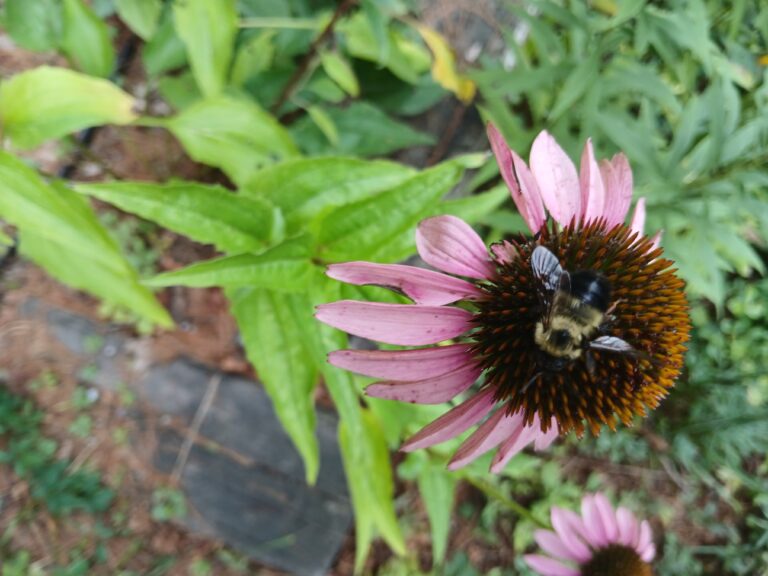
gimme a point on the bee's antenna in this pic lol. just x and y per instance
(531, 381)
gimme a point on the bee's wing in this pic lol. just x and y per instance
(548, 277)
(611, 344)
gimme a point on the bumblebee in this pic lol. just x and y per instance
(576, 309)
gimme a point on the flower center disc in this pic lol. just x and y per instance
(616, 560)
(648, 310)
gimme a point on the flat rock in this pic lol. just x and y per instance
(243, 478)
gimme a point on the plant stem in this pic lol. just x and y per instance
(495, 494)
(293, 83)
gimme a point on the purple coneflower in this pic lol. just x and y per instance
(600, 542)
(487, 304)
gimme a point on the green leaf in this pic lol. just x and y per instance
(310, 187)
(141, 16)
(284, 268)
(272, 324)
(364, 229)
(233, 134)
(254, 56)
(180, 91)
(340, 71)
(59, 231)
(437, 487)
(473, 208)
(208, 29)
(46, 103)
(86, 39)
(165, 51)
(581, 77)
(325, 123)
(34, 24)
(206, 213)
(369, 476)
(364, 130)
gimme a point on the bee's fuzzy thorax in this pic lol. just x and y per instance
(651, 313)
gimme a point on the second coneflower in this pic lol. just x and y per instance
(582, 325)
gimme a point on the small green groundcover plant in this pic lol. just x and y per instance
(292, 100)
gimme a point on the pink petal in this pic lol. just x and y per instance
(571, 530)
(404, 324)
(554, 546)
(549, 567)
(524, 191)
(403, 365)
(608, 517)
(519, 439)
(591, 182)
(451, 245)
(504, 252)
(489, 435)
(424, 287)
(557, 179)
(593, 523)
(645, 538)
(453, 422)
(617, 179)
(429, 391)
(638, 219)
(628, 527)
(656, 240)
(544, 439)
(649, 553)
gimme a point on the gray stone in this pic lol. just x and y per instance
(243, 478)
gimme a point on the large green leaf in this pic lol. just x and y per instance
(233, 134)
(272, 324)
(86, 39)
(165, 51)
(59, 231)
(364, 130)
(141, 16)
(34, 24)
(208, 29)
(473, 208)
(47, 103)
(284, 268)
(364, 230)
(206, 213)
(437, 487)
(308, 187)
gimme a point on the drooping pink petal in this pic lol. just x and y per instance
(629, 530)
(504, 252)
(548, 566)
(617, 180)
(434, 390)
(403, 365)
(638, 219)
(544, 439)
(645, 538)
(524, 191)
(592, 187)
(571, 530)
(425, 287)
(451, 245)
(490, 434)
(557, 179)
(404, 324)
(552, 544)
(593, 523)
(519, 439)
(453, 422)
(608, 517)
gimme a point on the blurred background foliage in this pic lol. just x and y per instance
(292, 101)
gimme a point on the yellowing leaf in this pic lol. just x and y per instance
(444, 66)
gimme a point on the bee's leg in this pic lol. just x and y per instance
(531, 381)
(612, 307)
(590, 361)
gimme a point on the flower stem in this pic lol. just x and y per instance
(494, 493)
